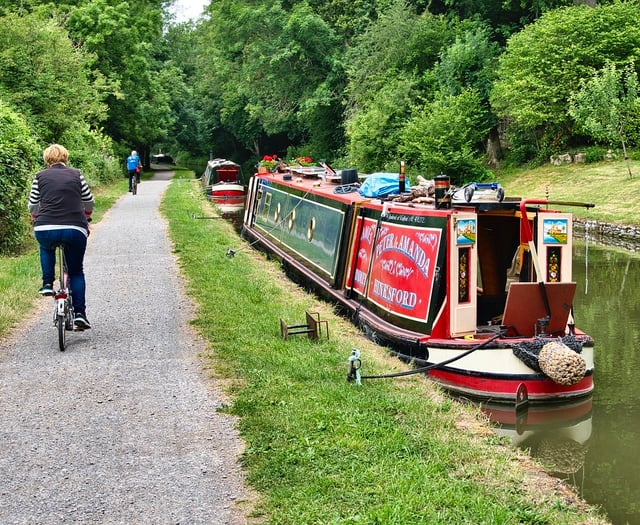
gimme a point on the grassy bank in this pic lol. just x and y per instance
(321, 450)
(606, 184)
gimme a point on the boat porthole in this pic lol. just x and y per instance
(312, 227)
(276, 215)
(292, 218)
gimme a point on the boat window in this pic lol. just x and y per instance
(276, 215)
(267, 205)
(292, 218)
(311, 229)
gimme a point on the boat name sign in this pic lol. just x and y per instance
(401, 274)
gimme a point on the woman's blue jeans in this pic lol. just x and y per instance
(75, 244)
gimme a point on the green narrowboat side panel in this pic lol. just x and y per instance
(307, 227)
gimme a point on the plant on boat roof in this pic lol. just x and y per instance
(269, 161)
(301, 161)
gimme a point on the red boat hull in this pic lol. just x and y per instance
(228, 197)
(540, 389)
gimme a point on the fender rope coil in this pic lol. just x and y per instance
(559, 359)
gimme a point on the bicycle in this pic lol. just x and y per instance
(63, 309)
(134, 184)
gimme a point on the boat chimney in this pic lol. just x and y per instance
(442, 186)
(349, 176)
(402, 178)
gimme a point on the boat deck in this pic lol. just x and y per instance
(312, 181)
(315, 182)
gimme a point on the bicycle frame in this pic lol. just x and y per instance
(63, 310)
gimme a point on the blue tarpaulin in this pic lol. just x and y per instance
(380, 185)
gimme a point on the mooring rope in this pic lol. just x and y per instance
(356, 363)
(231, 252)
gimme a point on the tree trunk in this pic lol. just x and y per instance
(494, 149)
(626, 157)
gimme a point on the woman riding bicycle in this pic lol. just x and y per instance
(60, 201)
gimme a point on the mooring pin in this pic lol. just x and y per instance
(354, 367)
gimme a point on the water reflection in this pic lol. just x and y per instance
(593, 445)
(608, 307)
(558, 435)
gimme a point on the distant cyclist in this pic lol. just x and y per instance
(133, 167)
(60, 202)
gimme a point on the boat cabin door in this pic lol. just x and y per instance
(462, 271)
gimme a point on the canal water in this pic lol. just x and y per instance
(593, 444)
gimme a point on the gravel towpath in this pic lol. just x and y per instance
(123, 426)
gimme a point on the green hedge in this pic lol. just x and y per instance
(18, 157)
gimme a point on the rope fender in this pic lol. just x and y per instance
(559, 359)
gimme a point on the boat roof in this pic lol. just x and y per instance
(219, 163)
(316, 181)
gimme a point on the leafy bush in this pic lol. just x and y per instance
(443, 136)
(18, 157)
(46, 77)
(375, 131)
(92, 153)
(538, 71)
(594, 154)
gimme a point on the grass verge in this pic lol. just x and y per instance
(320, 450)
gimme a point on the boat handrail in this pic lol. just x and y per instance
(525, 202)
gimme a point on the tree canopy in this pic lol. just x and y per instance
(46, 77)
(544, 63)
(447, 86)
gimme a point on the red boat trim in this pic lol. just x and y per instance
(504, 387)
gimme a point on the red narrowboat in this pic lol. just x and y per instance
(475, 285)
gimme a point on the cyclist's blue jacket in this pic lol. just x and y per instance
(133, 161)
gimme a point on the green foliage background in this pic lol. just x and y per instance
(461, 88)
(18, 155)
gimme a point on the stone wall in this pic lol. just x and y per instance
(621, 235)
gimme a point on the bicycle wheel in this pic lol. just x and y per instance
(62, 332)
(62, 304)
(69, 315)
(134, 186)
